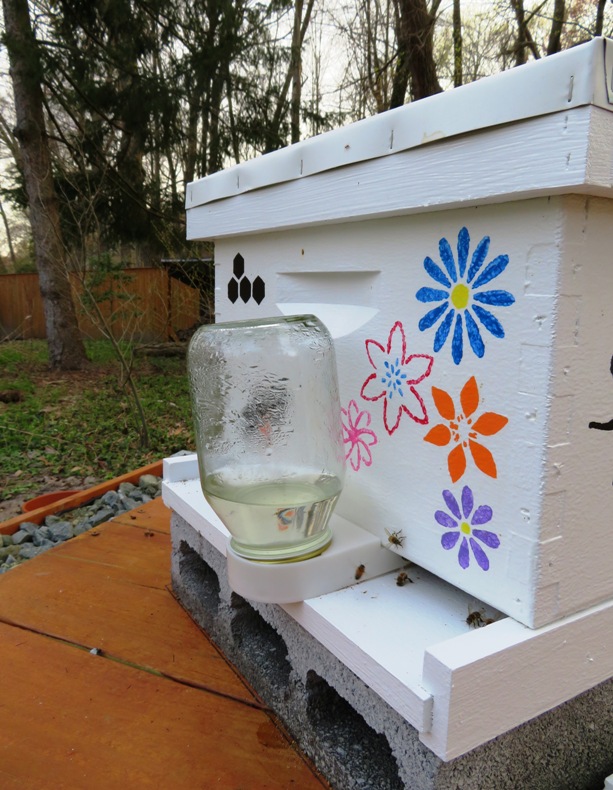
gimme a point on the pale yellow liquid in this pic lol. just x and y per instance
(274, 520)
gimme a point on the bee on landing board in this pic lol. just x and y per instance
(395, 538)
(477, 620)
(403, 579)
(359, 572)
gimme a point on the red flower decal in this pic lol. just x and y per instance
(396, 375)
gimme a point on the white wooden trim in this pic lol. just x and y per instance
(180, 467)
(402, 690)
(487, 682)
(569, 79)
(550, 155)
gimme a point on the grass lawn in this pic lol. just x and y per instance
(84, 425)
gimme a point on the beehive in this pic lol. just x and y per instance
(459, 250)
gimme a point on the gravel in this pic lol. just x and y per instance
(31, 539)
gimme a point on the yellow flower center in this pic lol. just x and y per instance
(465, 528)
(459, 296)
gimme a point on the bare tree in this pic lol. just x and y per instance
(457, 44)
(65, 344)
(415, 63)
(598, 27)
(557, 25)
(525, 41)
(584, 19)
(302, 18)
(371, 34)
(9, 236)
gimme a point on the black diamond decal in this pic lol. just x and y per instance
(239, 266)
(259, 289)
(233, 290)
(245, 289)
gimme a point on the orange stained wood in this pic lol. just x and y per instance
(157, 706)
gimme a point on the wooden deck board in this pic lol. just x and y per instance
(71, 719)
(143, 554)
(154, 515)
(140, 624)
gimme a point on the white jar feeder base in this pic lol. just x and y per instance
(353, 554)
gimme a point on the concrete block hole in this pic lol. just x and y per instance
(198, 575)
(261, 648)
(359, 756)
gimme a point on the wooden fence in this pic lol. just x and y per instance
(144, 305)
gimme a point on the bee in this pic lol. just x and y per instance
(359, 572)
(402, 579)
(477, 620)
(395, 538)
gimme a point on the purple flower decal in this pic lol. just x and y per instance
(461, 520)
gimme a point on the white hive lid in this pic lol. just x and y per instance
(573, 78)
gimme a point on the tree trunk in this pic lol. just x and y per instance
(525, 41)
(274, 138)
(415, 52)
(65, 344)
(191, 153)
(557, 23)
(599, 17)
(377, 67)
(296, 69)
(457, 44)
(9, 237)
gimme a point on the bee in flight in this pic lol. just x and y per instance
(395, 538)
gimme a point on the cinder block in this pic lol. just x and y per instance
(356, 739)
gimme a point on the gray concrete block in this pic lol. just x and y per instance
(352, 735)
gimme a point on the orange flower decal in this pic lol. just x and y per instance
(462, 429)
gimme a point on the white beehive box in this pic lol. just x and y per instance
(459, 249)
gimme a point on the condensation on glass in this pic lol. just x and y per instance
(268, 432)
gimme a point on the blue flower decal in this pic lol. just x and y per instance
(461, 298)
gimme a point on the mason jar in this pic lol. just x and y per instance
(268, 432)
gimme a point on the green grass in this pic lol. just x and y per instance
(86, 424)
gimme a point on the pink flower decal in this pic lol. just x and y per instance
(358, 436)
(395, 378)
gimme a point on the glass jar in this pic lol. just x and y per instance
(268, 432)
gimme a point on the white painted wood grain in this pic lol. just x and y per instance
(496, 678)
(498, 164)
